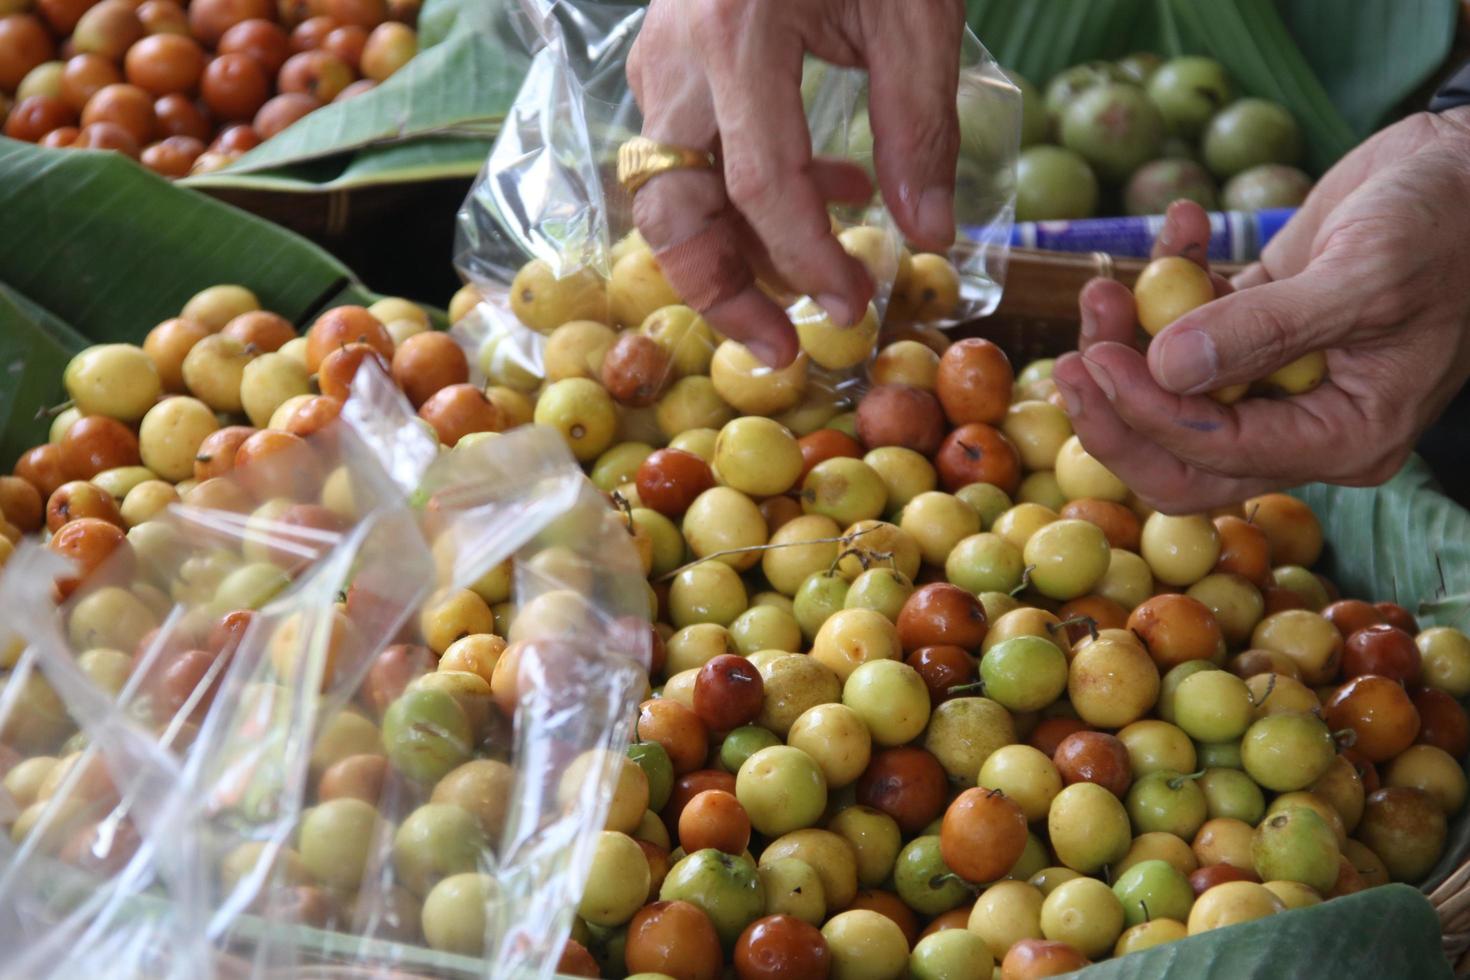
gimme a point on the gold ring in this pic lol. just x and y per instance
(641, 159)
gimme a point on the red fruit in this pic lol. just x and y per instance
(782, 947)
(576, 961)
(675, 938)
(1396, 615)
(1442, 721)
(1094, 757)
(825, 444)
(96, 443)
(42, 467)
(1029, 959)
(210, 19)
(906, 783)
(36, 116)
(1351, 615)
(262, 40)
(943, 668)
(458, 410)
(978, 453)
(24, 44)
(234, 86)
(668, 480)
(728, 692)
(690, 785)
(1203, 879)
(714, 818)
(901, 415)
(635, 369)
(392, 671)
(1380, 713)
(941, 615)
(1051, 732)
(319, 74)
(1384, 650)
(127, 106)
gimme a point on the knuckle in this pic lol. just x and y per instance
(717, 21)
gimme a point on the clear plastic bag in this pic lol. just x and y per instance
(546, 237)
(316, 776)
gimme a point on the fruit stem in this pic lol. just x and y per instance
(944, 878)
(1087, 621)
(1147, 915)
(1025, 581)
(843, 539)
(624, 508)
(1345, 737)
(50, 413)
(1178, 781)
(974, 687)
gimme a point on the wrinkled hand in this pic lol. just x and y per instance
(1372, 270)
(725, 75)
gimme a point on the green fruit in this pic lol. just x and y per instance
(989, 500)
(1054, 184)
(951, 954)
(985, 563)
(741, 744)
(793, 888)
(1068, 84)
(821, 595)
(1218, 755)
(426, 734)
(454, 913)
(924, 881)
(337, 837)
(964, 731)
(1170, 685)
(1271, 185)
(1034, 857)
(1153, 890)
(435, 841)
(1189, 91)
(1033, 110)
(1287, 751)
(765, 628)
(1231, 793)
(891, 698)
(1140, 66)
(1159, 183)
(782, 789)
(875, 840)
(1024, 673)
(1248, 133)
(1167, 801)
(726, 887)
(1296, 845)
(654, 760)
(1088, 828)
(1213, 706)
(1115, 127)
(883, 590)
(1067, 558)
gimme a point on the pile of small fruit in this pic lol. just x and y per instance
(1131, 136)
(931, 692)
(189, 86)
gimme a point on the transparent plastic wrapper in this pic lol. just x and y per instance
(378, 696)
(571, 291)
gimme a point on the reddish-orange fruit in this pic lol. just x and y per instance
(824, 444)
(127, 106)
(172, 157)
(1030, 959)
(36, 116)
(24, 44)
(908, 784)
(346, 42)
(674, 938)
(901, 415)
(236, 139)
(262, 40)
(668, 480)
(635, 369)
(234, 86)
(165, 64)
(1442, 722)
(21, 503)
(428, 362)
(318, 73)
(216, 455)
(345, 325)
(1380, 713)
(95, 443)
(209, 19)
(983, 834)
(284, 111)
(941, 615)
(90, 542)
(1119, 524)
(61, 137)
(1094, 757)
(714, 818)
(1244, 550)
(974, 382)
(83, 76)
(690, 785)
(178, 115)
(338, 368)
(677, 729)
(313, 415)
(978, 453)
(458, 410)
(42, 467)
(782, 947)
(1175, 628)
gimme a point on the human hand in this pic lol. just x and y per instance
(1372, 271)
(725, 75)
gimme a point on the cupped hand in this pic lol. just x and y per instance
(1374, 270)
(725, 76)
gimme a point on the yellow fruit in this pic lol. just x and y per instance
(636, 289)
(1167, 289)
(543, 302)
(834, 347)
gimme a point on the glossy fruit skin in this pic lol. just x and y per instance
(978, 453)
(1397, 615)
(974, 382)
(941, 614)
(728, 692)
(906, 783)
(1383, 650)
(36, 116)
(1175, 628)
(782, 947)
(983, 833)
(675, 938)
(669, 480)
(1288, 751)
(1442, 721)
(1405, 827)
(901, 415)
(1094, 757)
(1029, 959)
(942, 668)
(1379, 711)
(714, 818)
(234, 86)
(1351, 615)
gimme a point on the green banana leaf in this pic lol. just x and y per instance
(1340, 68)
(98, 249)
(432, 119)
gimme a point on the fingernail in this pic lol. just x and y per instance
(1074, 404)
(837, 308)
(1187, 361)
(1101, 377)
(1089, 319)
(935, 215)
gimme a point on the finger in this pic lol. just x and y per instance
(842, 181)
(1160, 479)
(1247, 335)
(912, 52)
(1288, 440)
(1223, 286)
(753, 63)
(687, 221)
(1108, 313)
(1186, 233)
(1254, 274)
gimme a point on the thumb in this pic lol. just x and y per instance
(1246, 335)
